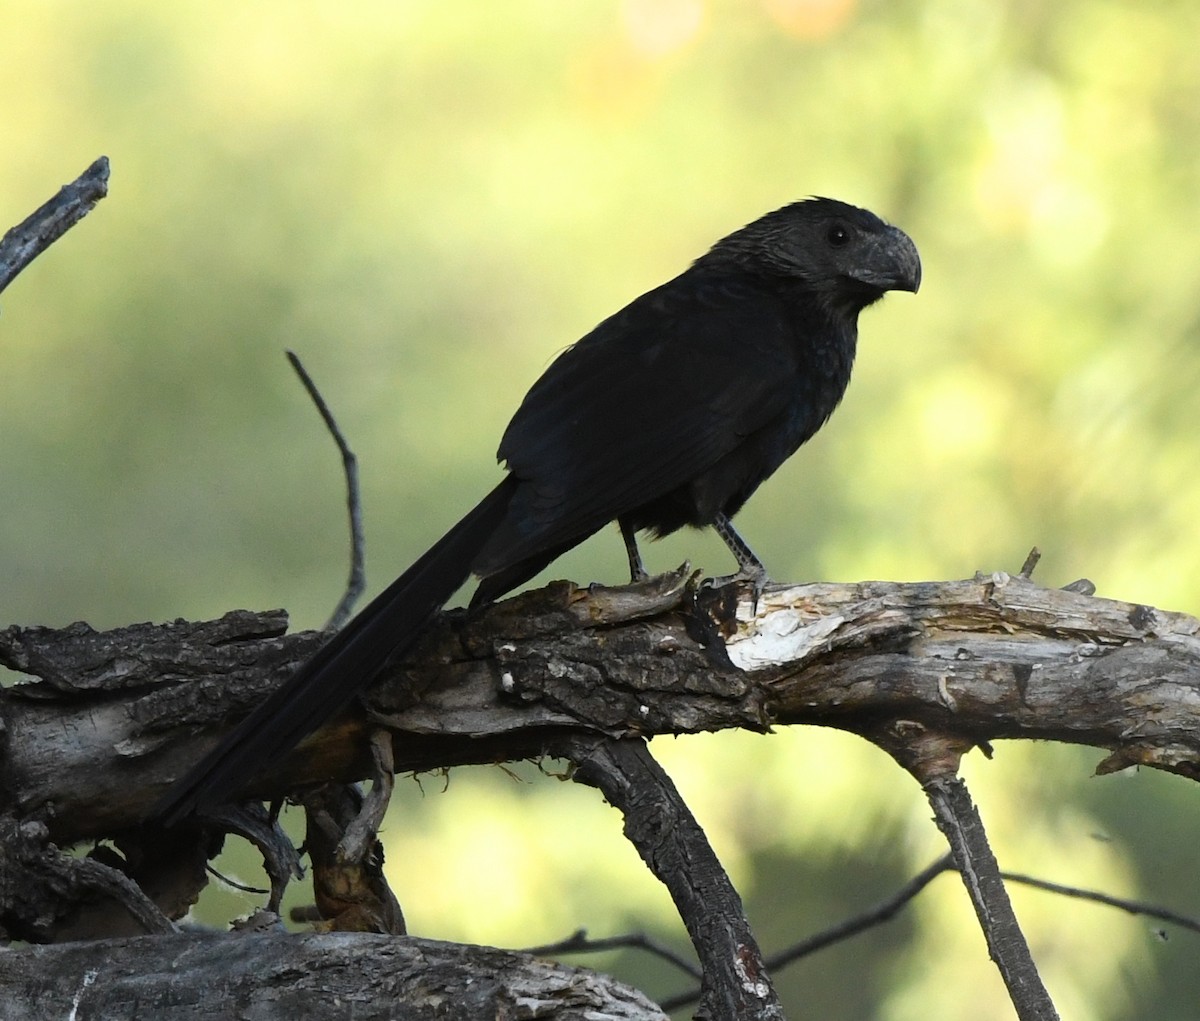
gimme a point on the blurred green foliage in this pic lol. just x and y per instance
(428, 200)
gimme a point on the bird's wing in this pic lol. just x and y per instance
(647, 401)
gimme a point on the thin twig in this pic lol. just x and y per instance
(233, 883)
(280, 859)
(1133, 907)
(580, 943)
(357, 581)
(46, 224)
(1031, 562)
(882, 912)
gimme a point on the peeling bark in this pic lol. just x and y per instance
(119, 715)
(925, 670)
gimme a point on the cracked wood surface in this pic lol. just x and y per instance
(119, 715)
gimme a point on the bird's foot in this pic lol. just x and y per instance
(755, 575)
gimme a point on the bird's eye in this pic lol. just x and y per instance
(838, 235)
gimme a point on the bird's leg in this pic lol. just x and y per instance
(750, 568)
(637, 570)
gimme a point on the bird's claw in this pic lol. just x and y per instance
(756, 577)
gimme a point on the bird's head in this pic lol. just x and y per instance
(847, 255)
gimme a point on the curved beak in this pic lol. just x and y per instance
(892, 263)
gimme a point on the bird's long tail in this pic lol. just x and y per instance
(342, 668)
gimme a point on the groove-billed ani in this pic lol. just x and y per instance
(669, 413)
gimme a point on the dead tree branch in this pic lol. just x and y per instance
(50, 221)
(359, 975)
(358, 559)
(117, 716)
(958, 819)
(735, 984)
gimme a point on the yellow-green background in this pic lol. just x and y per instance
(428, 200)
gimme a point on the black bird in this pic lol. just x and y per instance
(669, 413)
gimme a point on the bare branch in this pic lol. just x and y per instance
(1133, 907)
(46, 224)
(971, 661)
(981, 659)
(882, 912)
(959, 820)
(735, 984)
(579, 942)
(42, 889)
(357, 581)
(262, 829)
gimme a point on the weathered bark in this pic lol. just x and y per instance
(959, 821)
(119, 715)
(921, 669)
(51, 220)
(735, 985)
(276, 975)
